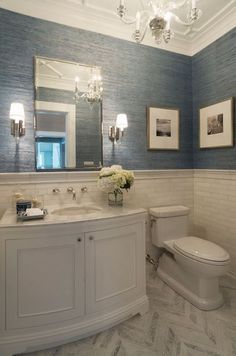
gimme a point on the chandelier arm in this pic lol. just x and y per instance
(144, 32)
(159, 17)
(154, 7)
(131, 20)
(181, 22)
(142, 4)
(173, 5)
(128, 20)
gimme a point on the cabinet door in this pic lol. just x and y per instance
(115, 266)
(44, 280)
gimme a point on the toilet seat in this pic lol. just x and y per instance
(201, 250)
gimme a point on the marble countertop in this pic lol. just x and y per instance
(9, 218)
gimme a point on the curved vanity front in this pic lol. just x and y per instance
(63, 280)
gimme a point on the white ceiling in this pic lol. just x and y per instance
(219, 17)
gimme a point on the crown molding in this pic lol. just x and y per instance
(80, 14)
(219, 25)
(73, 14)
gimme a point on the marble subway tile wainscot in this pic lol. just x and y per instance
(215, 209)
(151, 188)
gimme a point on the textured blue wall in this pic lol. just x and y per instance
(134, 76)
(214, 79)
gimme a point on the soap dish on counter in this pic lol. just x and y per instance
(23, 216)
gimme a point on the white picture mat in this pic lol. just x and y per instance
(220, 139)
(163, 142)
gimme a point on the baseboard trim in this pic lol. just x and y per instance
(29, 341)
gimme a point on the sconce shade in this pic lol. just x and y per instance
(17, 112)
(121, 121)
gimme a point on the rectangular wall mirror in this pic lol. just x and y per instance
(68, 115)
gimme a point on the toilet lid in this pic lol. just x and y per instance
(169, 211)
(201, 249)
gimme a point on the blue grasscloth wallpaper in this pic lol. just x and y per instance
(214, 79)
(134, 77)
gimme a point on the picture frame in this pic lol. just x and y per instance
(163, 128)
(216, 124)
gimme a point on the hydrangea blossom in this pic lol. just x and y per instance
(114, 178)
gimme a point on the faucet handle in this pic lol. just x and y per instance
(70, 189)
(84, 189)
(56, 190)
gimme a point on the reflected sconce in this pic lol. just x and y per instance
(17, 117)
(117, 131)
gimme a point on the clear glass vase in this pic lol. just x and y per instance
(115, 198)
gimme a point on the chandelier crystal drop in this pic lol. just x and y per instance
(94, 91)
(157, 16)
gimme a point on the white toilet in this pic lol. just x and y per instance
(190, 265)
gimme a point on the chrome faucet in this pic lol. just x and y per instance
(71, 190)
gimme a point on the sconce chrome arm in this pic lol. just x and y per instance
(17, 117)
(114, 133)
(17, 128)
(117, 131)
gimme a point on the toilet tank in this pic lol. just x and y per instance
(168, 223)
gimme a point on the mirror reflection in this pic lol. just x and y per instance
(68, 115)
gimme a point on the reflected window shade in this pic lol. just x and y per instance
(50, 121)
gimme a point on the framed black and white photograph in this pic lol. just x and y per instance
(162, 128)
(216, 125)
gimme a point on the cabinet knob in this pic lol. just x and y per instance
(91, 238)
(79, 239)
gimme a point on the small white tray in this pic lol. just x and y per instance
(23, 217)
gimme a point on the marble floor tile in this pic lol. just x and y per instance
(172, 327)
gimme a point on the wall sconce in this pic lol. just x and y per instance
(17, 116)
(117, 131)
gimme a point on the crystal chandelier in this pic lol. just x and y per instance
(94, 91)
(157, 15)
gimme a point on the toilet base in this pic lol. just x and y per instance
(202, 293)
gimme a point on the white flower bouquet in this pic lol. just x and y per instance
(114, 178)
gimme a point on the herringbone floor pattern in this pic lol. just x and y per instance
(172, 327)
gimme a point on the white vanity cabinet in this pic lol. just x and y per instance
(44, 280)
(114, 274)
(65, 281)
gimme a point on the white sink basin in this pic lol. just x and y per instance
(76, 210)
